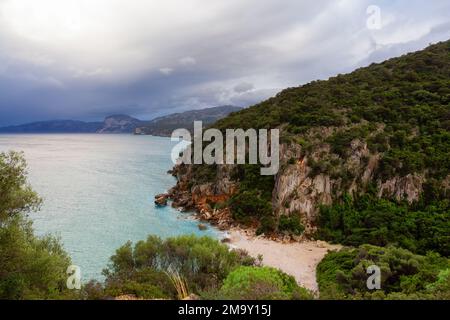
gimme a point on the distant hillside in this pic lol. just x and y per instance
(54, 126)
(164, 126)
(119, 124)
(111, 124)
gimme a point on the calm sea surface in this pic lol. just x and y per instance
(98, 192)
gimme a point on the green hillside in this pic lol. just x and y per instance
(404, 100)
(399, 110)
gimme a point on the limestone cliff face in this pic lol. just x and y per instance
(406, 188)
(299, 190)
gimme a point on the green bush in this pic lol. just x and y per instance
(261, 283)
(17, 197)
(31, 267)
(291, 224)
(368, 219)
(404, 275)
(142, 270)
(247, 206)
(253, 203)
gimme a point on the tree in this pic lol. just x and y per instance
(31, 267)
(16, 195)
(261, 283)
(147, 269)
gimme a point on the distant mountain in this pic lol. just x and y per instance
(54, 126)
(119, 124)
(111, 124)
(164, 126)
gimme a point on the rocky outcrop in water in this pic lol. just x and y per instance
(161, 200)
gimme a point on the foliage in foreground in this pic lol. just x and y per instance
(148, 269)
(404, 275)
(16, 195)
(177, 267)
(31, 267)
(261, 283)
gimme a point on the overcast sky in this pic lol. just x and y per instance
(85, 59)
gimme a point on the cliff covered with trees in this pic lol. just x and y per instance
(364, 159)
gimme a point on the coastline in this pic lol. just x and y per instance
(299, 259)
(296, 256)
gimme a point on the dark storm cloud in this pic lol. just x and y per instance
(90, 58)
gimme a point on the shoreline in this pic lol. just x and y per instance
(299, 259)
(296, 256)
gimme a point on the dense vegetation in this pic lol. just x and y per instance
(253, 202)
(404, 275)
(31, 267)
(369, 219)
(176, 268)
(146, 270)
(405, 100)
(261, 283)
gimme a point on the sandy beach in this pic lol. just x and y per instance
(298, 259)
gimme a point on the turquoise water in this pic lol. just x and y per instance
(98, 192)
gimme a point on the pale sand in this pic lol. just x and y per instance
(298, 259)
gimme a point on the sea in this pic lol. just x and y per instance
(98, 192)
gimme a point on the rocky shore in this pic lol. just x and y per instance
(202, 200)
(297, 256)
(207, 202)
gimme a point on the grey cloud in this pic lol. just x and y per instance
(152, 58)
(243, 87)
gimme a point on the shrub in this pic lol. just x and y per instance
(403, 274)
(291, 224)
(17, 197)
(31, 267)
(249, 205)
(368, 219)
(203, 263)
(261, 283)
